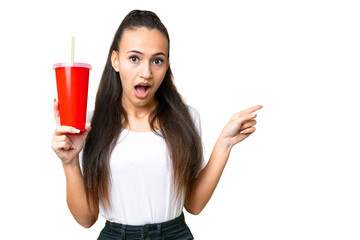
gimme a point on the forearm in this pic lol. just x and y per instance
(209, 177)
(76, 197)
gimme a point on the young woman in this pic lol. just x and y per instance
(142, 160)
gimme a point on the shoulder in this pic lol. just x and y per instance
(194, 113)
(89, 116)
(195, 118)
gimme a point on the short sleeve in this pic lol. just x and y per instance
(196, 119)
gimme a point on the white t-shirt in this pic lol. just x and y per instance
(141, 175)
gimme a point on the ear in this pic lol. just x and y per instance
(167, 63)
(115, 61)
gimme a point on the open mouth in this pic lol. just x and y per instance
(142, 89)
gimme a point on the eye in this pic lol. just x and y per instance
(134, 58)
(158, 61)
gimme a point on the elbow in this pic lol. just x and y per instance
(194, 207)
(194, 210)
(87, 223)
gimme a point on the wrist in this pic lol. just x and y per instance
(72, 164)
(224, 142)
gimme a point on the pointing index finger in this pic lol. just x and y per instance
(253, 109)
(248, 111)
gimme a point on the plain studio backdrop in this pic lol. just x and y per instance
(296, 177)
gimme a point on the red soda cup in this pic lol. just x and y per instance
(72, 81)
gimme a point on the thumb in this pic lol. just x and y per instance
(56, 112)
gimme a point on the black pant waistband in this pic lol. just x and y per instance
(158, 226)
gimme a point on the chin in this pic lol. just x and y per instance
(144, 102)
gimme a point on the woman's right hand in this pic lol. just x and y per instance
(66, 141)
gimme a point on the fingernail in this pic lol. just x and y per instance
(54, 99)
(76, 130)
(242, 132)
(254, 114)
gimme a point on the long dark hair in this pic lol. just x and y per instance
(109, 118)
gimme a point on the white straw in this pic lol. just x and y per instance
(72, 48)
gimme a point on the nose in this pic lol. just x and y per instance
(146, 72)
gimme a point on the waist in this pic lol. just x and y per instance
(159, 227)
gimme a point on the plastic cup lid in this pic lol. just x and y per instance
(71, 64)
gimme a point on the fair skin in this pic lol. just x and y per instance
(240, 127)
(67, 144)
(142, 62)
(142, 59)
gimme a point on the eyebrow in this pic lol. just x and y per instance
(135, 51)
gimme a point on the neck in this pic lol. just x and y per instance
(139, 111)
(138, 116)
